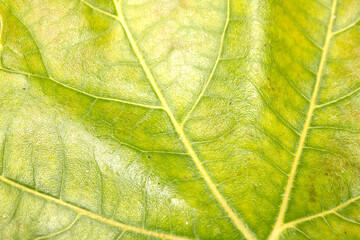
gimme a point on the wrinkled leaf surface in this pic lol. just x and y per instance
(148, 119)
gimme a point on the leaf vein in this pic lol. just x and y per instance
(267, 102)
(62, 230)
(89, 214)
(80, 91)
(218, 58)
(339, 98)
(98, 9)
(306, 35)
(221, 200)
(351, 25)
(346, 219)
(3, 151)
(321, 214)
(291, 83)
(283, 207)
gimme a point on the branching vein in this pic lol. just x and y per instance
(322, 214)
(60, 231)
(280, 226)
(222, 201)
(89, 214)
(80, 91)
(280, 219)
(218, 58)
(339, 98)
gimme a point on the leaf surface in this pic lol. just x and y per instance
(179, 119)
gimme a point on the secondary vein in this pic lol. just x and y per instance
(89, 214)
(284, 204)
(80, 91)
(222, 201)
(218, 58)
(322, 214)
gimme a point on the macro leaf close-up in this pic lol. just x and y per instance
(180, 119)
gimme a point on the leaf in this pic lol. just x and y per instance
(180, 119)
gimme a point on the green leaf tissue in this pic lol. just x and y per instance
(180, 119)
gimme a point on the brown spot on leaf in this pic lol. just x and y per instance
(312, 194)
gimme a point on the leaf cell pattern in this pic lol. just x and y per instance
(149, 119)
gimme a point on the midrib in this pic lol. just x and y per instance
(279, 226)
(280, 220)
(232, 215)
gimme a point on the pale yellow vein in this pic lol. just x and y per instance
(280, 219)
(218, 58)
(60, 231)
(222, 201)
(322, 214)
(89, 214)
(81, 91)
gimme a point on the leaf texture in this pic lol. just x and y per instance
(150, 119)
